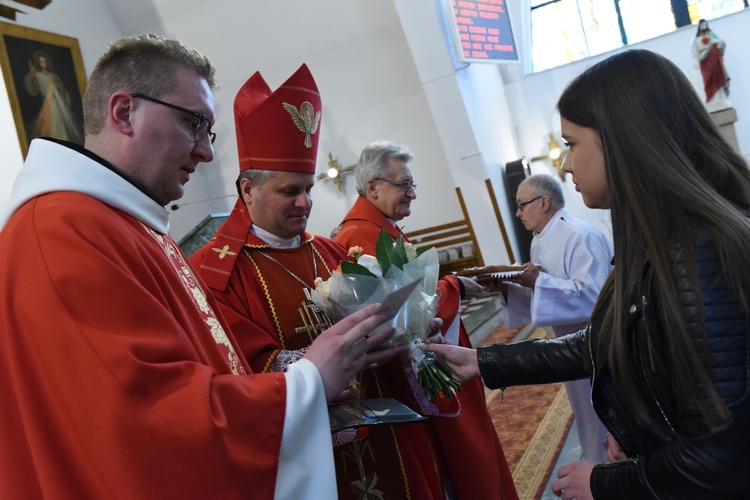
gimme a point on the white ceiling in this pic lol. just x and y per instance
(133, 15)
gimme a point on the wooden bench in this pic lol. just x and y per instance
(455, 242)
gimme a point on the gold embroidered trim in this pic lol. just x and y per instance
(227, 237)
(194, 288)
(276, 160)
(220, 271)
(267, 293)
(271, 359)
(320, 257)
(365, 485)
(404, 476)
(303, 89)
(434, 461)
(248, 245)
(224, 251)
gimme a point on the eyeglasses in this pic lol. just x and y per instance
(522, 205)
(201, 128)
(405, 186)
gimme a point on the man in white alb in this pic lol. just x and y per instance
(570, 261)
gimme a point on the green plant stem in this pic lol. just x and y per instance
(435, 376)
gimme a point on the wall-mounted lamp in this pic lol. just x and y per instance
(335, 171)
(555, 155)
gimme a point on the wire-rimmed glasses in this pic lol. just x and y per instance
(201, 128)
(523, 204)
(405, 186)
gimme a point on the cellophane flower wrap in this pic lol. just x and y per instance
(370, 279)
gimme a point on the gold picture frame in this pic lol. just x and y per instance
(45, 80)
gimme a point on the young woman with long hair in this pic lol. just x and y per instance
(668, 346)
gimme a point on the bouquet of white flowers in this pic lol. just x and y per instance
(370, 279)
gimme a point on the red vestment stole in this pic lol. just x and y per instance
(263, 292)
(198, 296)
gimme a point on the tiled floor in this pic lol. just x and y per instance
(481, 318)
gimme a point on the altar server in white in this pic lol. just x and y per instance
(570, 261)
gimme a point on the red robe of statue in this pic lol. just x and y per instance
(712, 69)
(469, 444)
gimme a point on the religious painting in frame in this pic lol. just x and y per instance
(45, 80)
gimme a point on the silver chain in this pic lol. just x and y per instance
(315, 266)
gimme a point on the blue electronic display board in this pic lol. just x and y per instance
(484, 31)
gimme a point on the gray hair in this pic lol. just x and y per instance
(547, 185)
(143, 63)
(374, 161)
(256, 176)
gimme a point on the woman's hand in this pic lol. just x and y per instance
(574, 481)
(613, 449)
(461, 359)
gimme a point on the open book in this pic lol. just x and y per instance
(353, 414)
(494, 271)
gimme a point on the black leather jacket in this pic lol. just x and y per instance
(672, 457)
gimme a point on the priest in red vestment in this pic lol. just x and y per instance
(261, 264)
(119, 377)
(473, 454)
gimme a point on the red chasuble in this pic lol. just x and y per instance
(117, 380)
(262, 292)
(402, 461)
(469, 443)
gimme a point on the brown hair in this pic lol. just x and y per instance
(670, 177)
(143, 63)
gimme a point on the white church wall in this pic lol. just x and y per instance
(367, 80)
(371, 89)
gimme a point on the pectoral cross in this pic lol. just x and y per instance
(315, 320)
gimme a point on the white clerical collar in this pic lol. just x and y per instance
(52, 166)
(274, 241)
(393, 222)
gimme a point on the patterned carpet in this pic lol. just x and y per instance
(532, 424)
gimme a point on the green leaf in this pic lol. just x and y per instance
(388, 254)
(399, 253)
(384, 251)
(354, 268)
